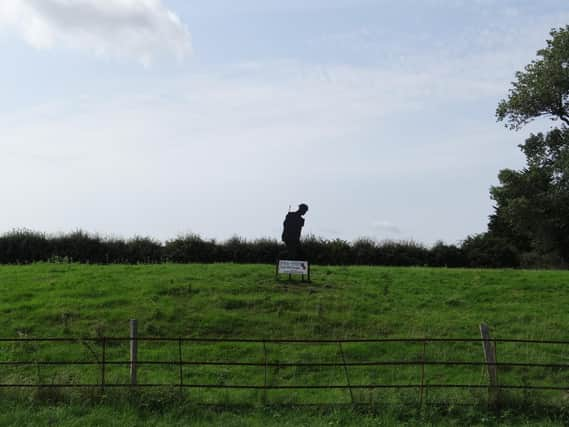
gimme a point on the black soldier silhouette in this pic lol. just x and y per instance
(292, 228)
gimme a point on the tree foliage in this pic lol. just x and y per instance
(532, 204)
(542, 89)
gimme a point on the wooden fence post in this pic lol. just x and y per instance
(133, 350)
(266, 383)
(346, 372)
(489, 348)
(180, 362)
(422, 375)
(103, 361)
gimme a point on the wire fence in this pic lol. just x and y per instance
(99, 359)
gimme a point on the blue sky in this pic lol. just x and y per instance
(158, 118)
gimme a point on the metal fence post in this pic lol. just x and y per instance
(133, 350)
(489, 348)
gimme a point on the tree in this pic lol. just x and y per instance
(543, 88)
(532, 205)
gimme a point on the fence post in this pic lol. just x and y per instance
(266, 373)
(422, 374)
(133, 350)
(180, 362)
(346, 372)
(489, 348)
(103, 359)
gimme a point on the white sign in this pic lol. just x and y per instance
(293, 267)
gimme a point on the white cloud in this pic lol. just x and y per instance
(139, 29)
(226, 151)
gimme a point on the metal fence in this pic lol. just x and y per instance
(99, 348)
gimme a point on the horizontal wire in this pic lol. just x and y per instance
(287, 340)
(289, 387)
(290, 364)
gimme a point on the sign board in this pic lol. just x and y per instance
(293, 267)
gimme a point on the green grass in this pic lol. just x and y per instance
(245, 301)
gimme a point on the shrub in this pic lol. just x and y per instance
(24, 246)
(486, 250)
(403, 253)
(191, 248)
(537, 260)
(442, 255)
(483, 250)
(365, 251)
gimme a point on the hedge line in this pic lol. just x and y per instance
(26, 246)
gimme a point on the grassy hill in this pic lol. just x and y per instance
(245, 301)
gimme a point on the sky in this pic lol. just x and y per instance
(165, 117)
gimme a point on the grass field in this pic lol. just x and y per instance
(245, 301)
